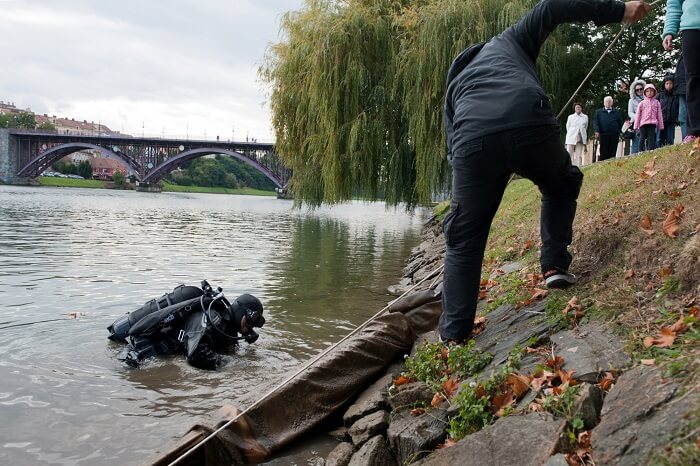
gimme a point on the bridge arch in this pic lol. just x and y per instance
(48, 157)
(158, 173)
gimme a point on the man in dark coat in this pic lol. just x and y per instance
(498, 121)
(669, 108)
(607, 125)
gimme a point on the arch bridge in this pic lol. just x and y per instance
(148, 159)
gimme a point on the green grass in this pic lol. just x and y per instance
(168, 187)
(70, 182)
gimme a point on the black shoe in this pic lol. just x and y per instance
(449, 342)
(557, 278)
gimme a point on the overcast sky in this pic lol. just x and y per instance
(178, 66)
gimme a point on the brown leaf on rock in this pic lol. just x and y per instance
(479, 326)
(672, 221)
(450, 387)
(665, 339)
(674, 194)
(679, 326)
(519, 383)
(402, 379)
(502, 401)
(605, 383)
(556, 362)
(533, 279)
(573, 310)
(437, 400)
(417, 411)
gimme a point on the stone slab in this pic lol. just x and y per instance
(341, 455)
(527, 440)
(507, 327)
(373, 399)
(374, 452)
(410, 394)
(590, 350)
(369, 426)
(639, 415)
(411, 437)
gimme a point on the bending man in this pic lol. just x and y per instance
(498, 121)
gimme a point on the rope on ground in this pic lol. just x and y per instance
(432, 274)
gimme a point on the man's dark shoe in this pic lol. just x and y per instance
(449, 342)
(557, 278)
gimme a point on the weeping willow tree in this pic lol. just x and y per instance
(357, 91)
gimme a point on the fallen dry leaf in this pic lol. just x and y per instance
(437, 400)
(629, 274)
(672, 221)
(526, 247)
(606, 381)
(665, 339)
(450, 387)
(417, 411)
(401, 380)
(648, 362)
(665, 272)
(646, 224)
(450, 442)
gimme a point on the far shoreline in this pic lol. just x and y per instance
(167, 187)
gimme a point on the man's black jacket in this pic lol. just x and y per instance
(494, 86)
(606, 122)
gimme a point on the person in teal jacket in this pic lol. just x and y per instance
(683, 18)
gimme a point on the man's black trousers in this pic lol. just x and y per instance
(691, 55)
(608, 146)
(480, 172)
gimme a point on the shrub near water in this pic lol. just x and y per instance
(434, 363)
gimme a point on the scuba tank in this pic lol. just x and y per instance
(119, 329)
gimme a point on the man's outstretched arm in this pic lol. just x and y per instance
(534, 28)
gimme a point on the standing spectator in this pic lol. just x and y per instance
(684, 16)
(576, 127)
(649, 118)
(669, 109)
(680, 86)
(636, 96)
(607, 124)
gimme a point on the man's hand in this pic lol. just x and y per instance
(667, 42)
(634, 11)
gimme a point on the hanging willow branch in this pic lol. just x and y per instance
(358, 89)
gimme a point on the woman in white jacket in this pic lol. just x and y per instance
(576, 127)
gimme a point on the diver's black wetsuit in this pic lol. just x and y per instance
(196, 322)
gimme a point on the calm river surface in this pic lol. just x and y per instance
(65, 399)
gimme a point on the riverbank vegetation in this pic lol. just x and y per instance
(357, 87)
(220, 172)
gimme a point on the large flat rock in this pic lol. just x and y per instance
(507, 327)
(373, 399)
(514, 440)
(639, 414)
(369, 426)
(590, 350)
(374, 452)
(413, 436)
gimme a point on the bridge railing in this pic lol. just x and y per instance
(113, 134)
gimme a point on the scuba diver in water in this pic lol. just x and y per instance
(198, 322)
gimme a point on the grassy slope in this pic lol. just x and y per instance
(633, 280)
(167, 187)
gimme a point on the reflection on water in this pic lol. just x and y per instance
(64, 399)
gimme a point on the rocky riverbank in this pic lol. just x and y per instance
(552, 387)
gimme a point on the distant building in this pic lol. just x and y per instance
(104, 168)
(8, 107)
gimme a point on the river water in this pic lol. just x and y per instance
(66, 399)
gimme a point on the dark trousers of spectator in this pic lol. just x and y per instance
(647, 137)
(608, 146)
(480, 172)
(666, 136)
(691, 55)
